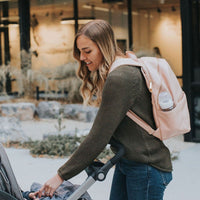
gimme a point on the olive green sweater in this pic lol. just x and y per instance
(124, 89)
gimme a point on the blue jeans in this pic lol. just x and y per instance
(137, 181)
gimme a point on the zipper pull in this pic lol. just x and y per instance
(150, 86)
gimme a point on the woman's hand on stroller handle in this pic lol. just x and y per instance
(33, 195)
(50, 186)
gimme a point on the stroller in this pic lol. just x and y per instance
(97, 171)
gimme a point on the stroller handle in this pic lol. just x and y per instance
(98, 170)
(100, 175)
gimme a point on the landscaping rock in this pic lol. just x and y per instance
(22, 111)
(11, 130)
(80, 112)
(48, 109)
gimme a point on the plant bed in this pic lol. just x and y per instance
(56, 146)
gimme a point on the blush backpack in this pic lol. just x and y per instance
(160, 79)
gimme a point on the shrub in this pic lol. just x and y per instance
(58, 145)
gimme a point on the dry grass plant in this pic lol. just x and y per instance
(64, 79)
(4, 70)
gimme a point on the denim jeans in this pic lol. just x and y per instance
(137, 181)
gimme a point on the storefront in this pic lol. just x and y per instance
(38, 35)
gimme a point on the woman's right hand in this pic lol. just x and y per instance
(33, 195)
(50, 186)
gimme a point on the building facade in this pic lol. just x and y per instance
(38, 35)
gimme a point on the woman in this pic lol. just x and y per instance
(156, 52)
(145, 170)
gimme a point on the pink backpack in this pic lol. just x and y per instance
(160, 79)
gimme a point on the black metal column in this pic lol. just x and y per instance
(75, 15)
(6, 34)
(0, 50)
(1, 30)
(130, 30)
(186, 44)
(6, 45)
(24, 25)
(187, 55)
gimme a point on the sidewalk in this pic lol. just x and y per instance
(185, 184)
(28, 170)
(186, 174)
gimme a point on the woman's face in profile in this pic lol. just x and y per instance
(89, 52)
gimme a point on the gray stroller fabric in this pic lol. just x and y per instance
(62, 193)
(8, 182)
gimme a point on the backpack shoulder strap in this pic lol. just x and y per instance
(140, 122)
(124, 61)
(135, 62)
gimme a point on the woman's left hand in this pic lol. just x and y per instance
(50, 186)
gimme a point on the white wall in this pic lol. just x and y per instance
(151, 29)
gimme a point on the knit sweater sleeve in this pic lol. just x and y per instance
(116, 100)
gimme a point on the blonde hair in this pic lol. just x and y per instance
(101, 33)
